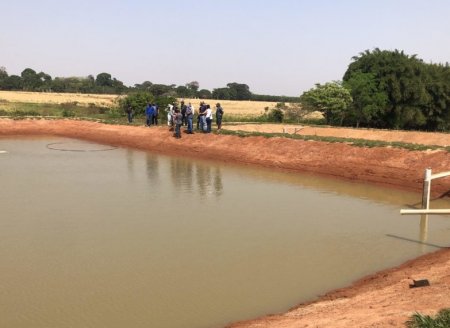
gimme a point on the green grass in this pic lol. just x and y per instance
(441, 320)
(350, 141)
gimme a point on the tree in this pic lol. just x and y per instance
(369, 102)
(118, 86)
(30, 80)
(222, 93)
(159, 90)
(46, 81)
(331, 98)
(88, 84)
(403, 79)
(146, 85)
(182, 91)
(239, 91)
(3, 77)
(13, 82)
(204, 94)
(193, 88)
(104, 80)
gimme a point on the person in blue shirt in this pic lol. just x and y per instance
(149, 111)
(155, 114)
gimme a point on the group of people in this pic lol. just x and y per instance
(182, 115)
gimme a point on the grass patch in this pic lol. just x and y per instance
(350, 141)
(441, 320)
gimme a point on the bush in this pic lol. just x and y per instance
(275, 115)
(138, 102)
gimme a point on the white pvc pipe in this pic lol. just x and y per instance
(426, 211)
(439, 175)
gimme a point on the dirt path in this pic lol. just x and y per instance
(381, 300)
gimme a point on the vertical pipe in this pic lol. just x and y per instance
(426, 189)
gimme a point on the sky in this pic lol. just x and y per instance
(277, 47)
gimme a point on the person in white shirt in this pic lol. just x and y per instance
(170, 115)
(209, 118)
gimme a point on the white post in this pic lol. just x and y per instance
(426, 189)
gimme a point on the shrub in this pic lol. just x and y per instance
(138, 101)
(275, 115)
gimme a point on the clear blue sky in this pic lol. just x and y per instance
(279, 47)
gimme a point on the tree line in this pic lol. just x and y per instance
(386, 89)
(104, 83)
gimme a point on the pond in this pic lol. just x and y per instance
(97, 236)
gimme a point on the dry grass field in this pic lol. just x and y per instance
(247, 108)
(58, 98)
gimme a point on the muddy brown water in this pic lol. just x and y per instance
(93, 236)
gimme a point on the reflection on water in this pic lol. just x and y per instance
(423, 228)
(185, 173)
(152, 167)
(126, 238)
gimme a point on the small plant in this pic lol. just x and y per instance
(115, 113)
(67, 112)
(441, 320)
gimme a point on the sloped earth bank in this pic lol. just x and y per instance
(381, 300)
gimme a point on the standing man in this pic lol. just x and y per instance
(149, 114)
(201, 115)
(219, 115)
(189, 118)
(183, 112)
(178, 119)
(170, 115)
(129, 111)
(155, 114)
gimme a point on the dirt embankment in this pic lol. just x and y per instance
(381, 300)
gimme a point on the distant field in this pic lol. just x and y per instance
(234, 107)
(58, 98)
(249, 108)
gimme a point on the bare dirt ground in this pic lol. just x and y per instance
(381, 300)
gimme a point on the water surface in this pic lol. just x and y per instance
(92, 236)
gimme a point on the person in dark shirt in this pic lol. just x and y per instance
(178, 119)
(219, 115)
